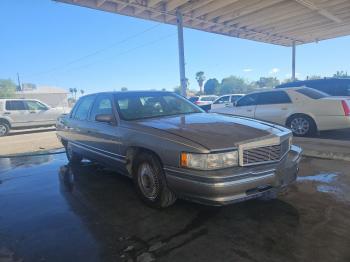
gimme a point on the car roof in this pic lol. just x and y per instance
(141, 92)
(278, 89)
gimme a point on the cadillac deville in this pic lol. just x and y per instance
(173, 149)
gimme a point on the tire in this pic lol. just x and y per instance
(302, 125)
(4, 129)
(73, 157)
(150, 183)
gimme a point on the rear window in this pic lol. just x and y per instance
(312, 93)
(15, 105)
(193, 99)
(208, 98)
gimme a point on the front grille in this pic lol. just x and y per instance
(260, 155)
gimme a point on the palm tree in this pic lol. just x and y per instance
(82, 91)
(75, 93)
(71, 91)
(200, 77)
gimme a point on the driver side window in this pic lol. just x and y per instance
(248, 100)
(35, 105)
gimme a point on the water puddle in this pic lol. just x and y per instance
(322, 178)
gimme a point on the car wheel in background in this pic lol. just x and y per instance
(4, 129)
(150, 181)
(302, 125)
(72, 156)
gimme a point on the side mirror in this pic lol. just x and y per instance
(234, 103)
(104, 118)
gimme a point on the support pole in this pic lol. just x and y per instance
(293, 61)
(181, 53)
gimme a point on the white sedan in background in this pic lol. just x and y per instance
(226, 101)
(304, 110)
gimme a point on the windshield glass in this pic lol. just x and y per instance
(133, 106)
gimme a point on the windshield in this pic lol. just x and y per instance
(133, 106)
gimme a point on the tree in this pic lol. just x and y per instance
(82, 92)
(7, 88)
(269, 82)
(212, 86)
(75, 93)
(341, 74)
(200, 77)
(313, 77)
(234, 84)
(124, 89)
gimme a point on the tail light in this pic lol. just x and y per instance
(346, 107)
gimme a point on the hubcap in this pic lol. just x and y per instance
(3, 130)
(300, 126)
(148, 181)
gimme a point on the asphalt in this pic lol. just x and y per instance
(52, 212)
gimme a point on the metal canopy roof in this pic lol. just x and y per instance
(280, 22)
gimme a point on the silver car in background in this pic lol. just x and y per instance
(26, 113)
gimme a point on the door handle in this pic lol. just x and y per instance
(32, 112)
(249, 110)
(284, 108)
(7, 113)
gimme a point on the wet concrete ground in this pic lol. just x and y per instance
(51, 212)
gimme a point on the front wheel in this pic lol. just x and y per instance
(150, 182)
(4, 129)
(302, 125)
(72, 156)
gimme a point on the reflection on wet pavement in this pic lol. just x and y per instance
(54, 212)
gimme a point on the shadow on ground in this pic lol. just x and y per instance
(55, 212)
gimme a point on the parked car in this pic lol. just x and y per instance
(26, 113)
(203, 100)
(304, 110)
(226, 101)
(331, 86)
(173, 149)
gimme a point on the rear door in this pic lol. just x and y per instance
(16, 110)
(274, 106)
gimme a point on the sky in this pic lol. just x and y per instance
(55, 44)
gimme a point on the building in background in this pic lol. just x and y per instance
(53, 96)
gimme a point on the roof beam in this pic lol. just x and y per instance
(152, 3)
(323, 12)
(211, 6)
(174, 4)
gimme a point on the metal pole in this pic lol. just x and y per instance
(293, 61)
(181, 53)
(19, 83)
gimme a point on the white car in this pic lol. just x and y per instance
(203, 100)
(26, 113)
(226, 101)
(304, 110)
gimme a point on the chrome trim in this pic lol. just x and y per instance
(228, 183)
(84, 147)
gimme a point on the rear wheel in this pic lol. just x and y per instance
(302, 125)
(72, 156)
(150, 182)
(4, 129)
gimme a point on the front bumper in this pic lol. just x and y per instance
(237, 184)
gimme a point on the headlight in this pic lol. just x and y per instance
(209, 161)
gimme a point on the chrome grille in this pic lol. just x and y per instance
(260, 155)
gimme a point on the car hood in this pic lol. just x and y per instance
(213, 131)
